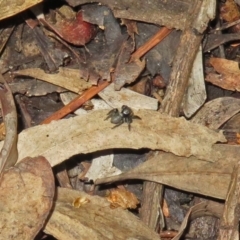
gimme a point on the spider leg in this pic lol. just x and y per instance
(117, 125)
(128, 120)
(136, 117)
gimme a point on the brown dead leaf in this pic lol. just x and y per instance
(127, 72)
(94, 220)
(229, 74)
(122, 198)
(229, 11)
(67, 78)
(90, 133)
(10, 8)
(188, 174)
(216, 112)
(26, 195)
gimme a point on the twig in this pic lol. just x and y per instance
(152, 42)
(77, 102)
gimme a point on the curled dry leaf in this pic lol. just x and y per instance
(216, 112)
(26, 195)
(80, 201)
(8, 9)
(206, 178)
(67, 78)
(94, 220)
(90, 133)
(184, 224)
(122, 198)
(229, 74)
(9, 152)
(75, 31)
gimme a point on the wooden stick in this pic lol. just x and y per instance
(77, 102)
(152, 42)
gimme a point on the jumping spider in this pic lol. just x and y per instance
(125, 116)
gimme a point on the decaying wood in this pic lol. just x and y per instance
(172, 14)
(230, 219)
(182, 65)
(93, 220)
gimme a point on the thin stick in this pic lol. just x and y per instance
(77, 102)
(152, 42)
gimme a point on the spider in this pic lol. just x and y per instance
(125, 116)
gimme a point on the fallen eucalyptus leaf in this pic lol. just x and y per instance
(90, 133)
(9, 152)
(93, 220)
(228, 77)
(10, 8)
(127, 97)
(216, 112)
(188, 174)
(26, 195)
(196, 93)
(66, 77)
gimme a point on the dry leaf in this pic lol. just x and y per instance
(216, 112)
(9, 152)
(90, 133)
(188, 174)
(229, 74)
(66, 77)
(127, 97)
(229, 11)
(26, 195)
(183, 227)
(10, 8)
(122, 198)
(94, 220)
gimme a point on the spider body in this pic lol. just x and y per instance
(125, 116)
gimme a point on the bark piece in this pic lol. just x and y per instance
(93, 220)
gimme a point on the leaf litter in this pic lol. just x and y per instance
(188, 156)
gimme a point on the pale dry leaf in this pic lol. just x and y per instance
(13, 7)
(102, 166)
(195, 95)
(216, 112)
(67, 78)
(26, 195)
(188, 174)
(228, 77)
(91, 133)
(127, 97)
(93, 220)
